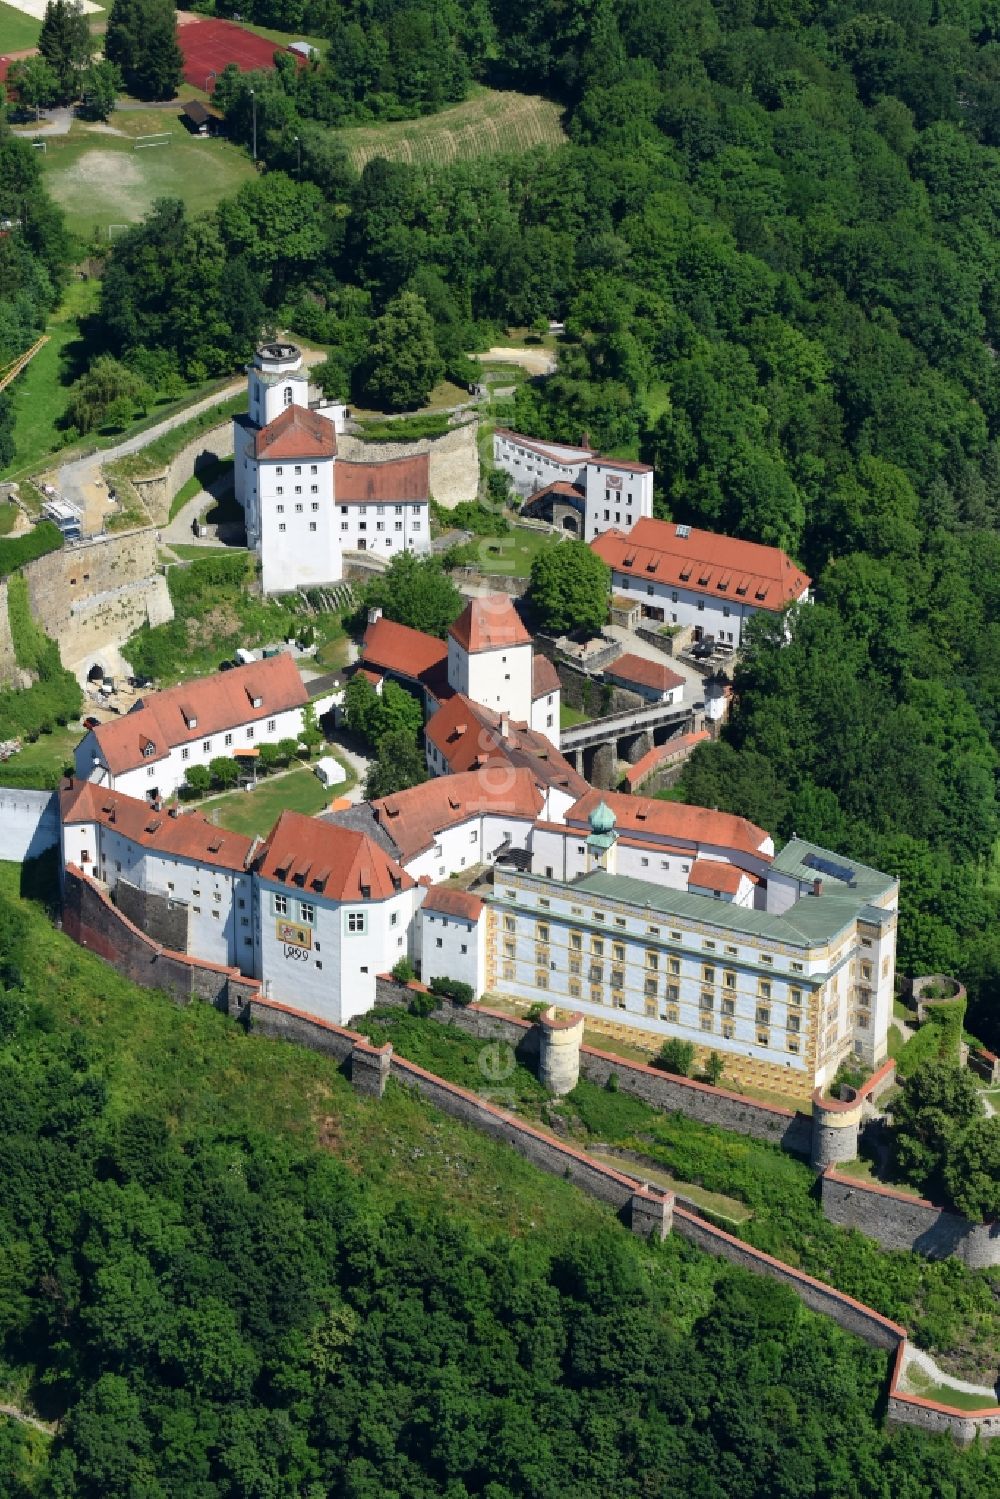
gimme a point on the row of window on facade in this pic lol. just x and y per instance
(227, 741)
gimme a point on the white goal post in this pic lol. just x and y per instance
(161, 138)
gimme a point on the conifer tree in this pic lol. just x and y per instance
(65, 43)
(142, 40)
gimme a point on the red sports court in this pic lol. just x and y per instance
(209, 45)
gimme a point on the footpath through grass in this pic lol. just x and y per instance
(254, 813)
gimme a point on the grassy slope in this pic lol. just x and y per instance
(18, 32)
(487, 124)
(513, 554)
(40, 393)
(199, 1069)
(100, 179)
(952, 1311)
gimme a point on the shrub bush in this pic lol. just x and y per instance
(454, 989)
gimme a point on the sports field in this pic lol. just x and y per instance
(490, 123)
(101, 180)
(209, 45)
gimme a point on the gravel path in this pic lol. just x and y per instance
(926, 1363)
(18, 1415)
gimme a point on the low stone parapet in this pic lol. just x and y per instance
(897, 1220)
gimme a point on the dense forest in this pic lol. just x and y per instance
(773, 238)
(213, 1305)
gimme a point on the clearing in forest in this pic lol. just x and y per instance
(491, 123)
(103, 183)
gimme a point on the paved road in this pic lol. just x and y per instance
(79, 480)
(694, 682)
(53, 122)
(76, 481)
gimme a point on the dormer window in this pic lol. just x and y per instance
(192, 723)
(149, 749)
(257, 702)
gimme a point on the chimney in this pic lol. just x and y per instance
(817, 887)
(505, 726)
(374, 615)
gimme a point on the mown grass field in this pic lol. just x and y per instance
(255, 812)
(100, 180)
(18, 32)
(511, 555)
(490, 123)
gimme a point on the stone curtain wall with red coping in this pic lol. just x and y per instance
(898, 1221)
(91, 919)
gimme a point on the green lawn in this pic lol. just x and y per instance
(256, 812)
(8, 515)
(39, 395)
(513, 554)
(918, 1382)
(49, 755)
(18, 32)
(100, 180)
(569, 716)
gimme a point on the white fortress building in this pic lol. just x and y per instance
(581, 490)
(148, 751)
(654, 919)
(712, 583)
(303, 506)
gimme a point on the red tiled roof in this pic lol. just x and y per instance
(709, 874)
(449, 901)
(489, 624)
(653, 674)
(217, 703)
(392, 482)
(412, 818)
(296, 433)
(392, 647)
(563, 489)
(674, 820)
(468, 736)
(743, 572)
(187, 836)
(544, 677)
(662, 754)
(329, 860)
(374, 677)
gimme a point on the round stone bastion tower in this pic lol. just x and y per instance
(836, 1124)
(559, 1052)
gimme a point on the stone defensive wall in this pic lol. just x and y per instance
(454, 459)
(649, 1211)
(92, 920)
(676, 1095)
(898, 1221)
(156, 489)
(837, 1122)
(96, 593)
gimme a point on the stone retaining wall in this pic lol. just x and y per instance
(94, 595)
(10, 673)
(91, 920)
(898, 1221)
(680, 1095)
(454, 460)
(156, 490)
